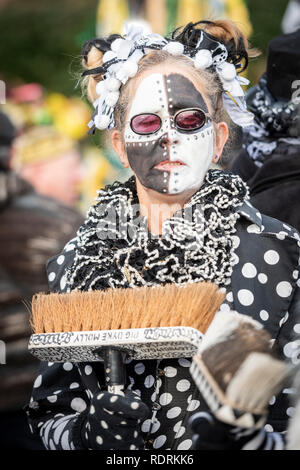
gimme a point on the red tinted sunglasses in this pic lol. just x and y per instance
(186, 120)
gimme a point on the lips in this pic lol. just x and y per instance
(168, 165)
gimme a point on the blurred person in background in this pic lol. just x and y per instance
(32, 228)
(50, 162)
(270, 159)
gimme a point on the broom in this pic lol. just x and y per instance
(236, 370)
(142, 323)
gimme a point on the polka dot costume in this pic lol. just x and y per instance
(264, 285)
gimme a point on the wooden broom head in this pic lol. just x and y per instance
(192, 305)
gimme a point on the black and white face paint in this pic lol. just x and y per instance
(169, 161)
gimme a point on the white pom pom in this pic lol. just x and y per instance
(203, 59)
(228, 71)
(112, 84)
(100, 87)
(130, 68)
(174, 48)
(116, 44)
(112, 98)
(102, 121)
(109, 55)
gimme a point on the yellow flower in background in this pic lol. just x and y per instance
(161, 14)
(70, 115)
(97, 173)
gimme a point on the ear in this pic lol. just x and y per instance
(222, 134)
(119, 147)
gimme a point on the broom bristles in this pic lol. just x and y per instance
(191, 305)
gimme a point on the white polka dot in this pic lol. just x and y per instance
(272, 400)
(249, 270)
(224, 308)
(253, 228)
(236, 241)
(264, 315)
(135, 405)
(159, 442)
(60, 259)
(155, 427)
(180, 432)
(52, 398)
(78, 404)
(184, 362)
(173, 412)
(193, 405)
(92, 410)
(290, 411)
(52, 276)
(104, 424)
(165, 399)
(118, 437)
(177, 426)
(170, 371)
(271, 257)
(297, 328)
(114, 398)
(284, 289)
(185, 445)
(263, 278)
(245, 297)
(63, 282)
(74, 385)
(235, 259)
(139, 368)
(296, 274)
(70, 247)
(99, 440)
(269, 428)
(183, 385)
(149, 381)
(68, 366)
(38, 381)
(284, 319)
(88, 370)
(229, 297)
(146, 425)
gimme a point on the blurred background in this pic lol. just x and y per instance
(50, 169)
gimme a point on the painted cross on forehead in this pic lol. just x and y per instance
(170, 160)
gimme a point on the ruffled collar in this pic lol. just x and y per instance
(115, 248)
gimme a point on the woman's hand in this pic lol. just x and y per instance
(113, 422)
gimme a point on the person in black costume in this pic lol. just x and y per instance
(32, 228)
(270, 159)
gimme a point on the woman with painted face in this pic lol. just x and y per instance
(174, 221)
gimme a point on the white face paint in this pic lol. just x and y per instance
(169, 161)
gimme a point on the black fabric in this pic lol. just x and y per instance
(275, 186)
(283, 64)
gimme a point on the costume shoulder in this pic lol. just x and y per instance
(58, 265)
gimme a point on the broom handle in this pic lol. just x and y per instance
(114, 367)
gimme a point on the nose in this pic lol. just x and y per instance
(169, 138)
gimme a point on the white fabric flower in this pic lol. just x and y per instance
(174, 48)
(203, 59)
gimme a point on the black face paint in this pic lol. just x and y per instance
(163, 95)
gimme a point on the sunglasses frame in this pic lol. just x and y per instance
(172, 118)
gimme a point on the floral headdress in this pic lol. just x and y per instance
(120, 63)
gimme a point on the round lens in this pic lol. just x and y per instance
(190, 120)
(145, 123)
